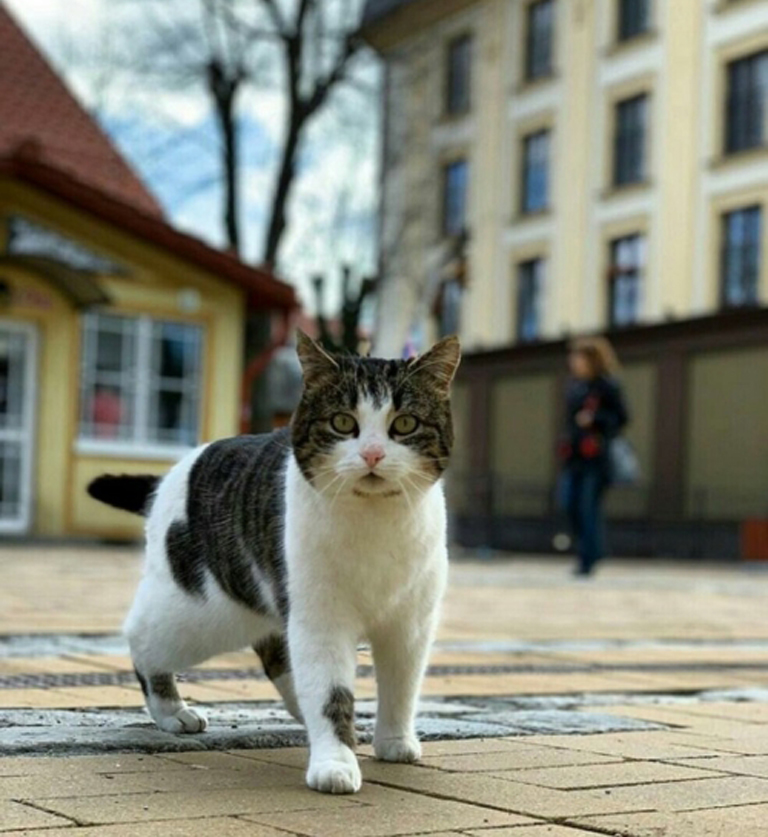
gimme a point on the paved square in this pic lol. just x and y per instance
(632, 705)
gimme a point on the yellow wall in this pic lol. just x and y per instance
(152, 287)
(727, 436)
(681, 63)
(522, 442)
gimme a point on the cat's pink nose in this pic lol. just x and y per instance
(372, 455)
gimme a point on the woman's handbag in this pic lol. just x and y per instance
(625, 467)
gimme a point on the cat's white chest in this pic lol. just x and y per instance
(367, 556)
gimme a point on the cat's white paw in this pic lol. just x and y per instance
(339, 774)
(405, 749)
(186, 720)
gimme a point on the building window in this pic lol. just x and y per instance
(539, 40)
(747, 103)
(626, 276)
(530, 291)
(455, 183)
(629, 151)
(741, 257)
(458, 85)
(634, 18)
(140, 380)
(535, 175)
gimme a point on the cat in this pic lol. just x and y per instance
(301, 543)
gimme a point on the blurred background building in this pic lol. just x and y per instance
(553, 167)
(121, 338)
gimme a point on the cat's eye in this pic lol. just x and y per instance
(343, 423)
(404, 425)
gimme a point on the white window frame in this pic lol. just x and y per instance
(141, 447)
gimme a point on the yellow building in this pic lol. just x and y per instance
(121, 338)
(608, 158)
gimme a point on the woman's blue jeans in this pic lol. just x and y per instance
(583, 487)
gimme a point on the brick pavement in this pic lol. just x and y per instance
(516, 628)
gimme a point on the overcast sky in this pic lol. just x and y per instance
(169, 137)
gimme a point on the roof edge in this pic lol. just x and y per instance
(264, 290)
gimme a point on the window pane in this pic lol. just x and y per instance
(626, 272)
(455, 178)
(634, 18)
(741, 256)
(108, 374)
(538, 60)
(459, 75)
(630, 141)
(529, 299)
(10, 480)
(747, 103)
(536, 172)
(175, 383)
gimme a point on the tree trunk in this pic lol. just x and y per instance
(224, 90)
(285, 180)
(231, 192)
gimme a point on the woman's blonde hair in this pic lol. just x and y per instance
(599, 353)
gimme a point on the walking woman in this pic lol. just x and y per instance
(595, 414)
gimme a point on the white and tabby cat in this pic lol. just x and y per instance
(302, 543)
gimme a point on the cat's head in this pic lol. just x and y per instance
(367, 427)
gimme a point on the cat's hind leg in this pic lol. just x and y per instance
(273, 652)
(166, 707)
(164, 635)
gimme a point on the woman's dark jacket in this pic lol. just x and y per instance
(603, 397)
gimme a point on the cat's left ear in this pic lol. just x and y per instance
(440, 364)
(316, 363)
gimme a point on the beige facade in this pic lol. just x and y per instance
(673, 217)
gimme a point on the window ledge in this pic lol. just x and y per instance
(627, 190)
(529, 86)
(737, 158)
(720, 7)
(636, 42)
(523, 217)
(447, 118)
(107, 449)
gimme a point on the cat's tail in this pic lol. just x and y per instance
(132, 492)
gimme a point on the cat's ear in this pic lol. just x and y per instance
(316, 363)
(439, 364)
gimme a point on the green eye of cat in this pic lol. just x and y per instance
(343, 423)
(405, 425)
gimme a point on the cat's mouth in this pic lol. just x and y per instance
(372, 485)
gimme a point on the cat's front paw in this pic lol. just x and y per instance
(405, 749)
(337, 774)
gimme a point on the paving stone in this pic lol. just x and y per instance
(41, 766)
(15, 815)
(144, 807)
(692, 795)
(743, 821)
(175, 778)
(606, 775)
(636, 745)
(297, 757)
(741, 765)
(383, 812)
(520, 757)
(210, 827)
(482, 789)
(544, 830)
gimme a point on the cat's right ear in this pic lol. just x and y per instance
(316, 363)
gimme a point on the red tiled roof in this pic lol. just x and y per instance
(37, 108)
(263, 290)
